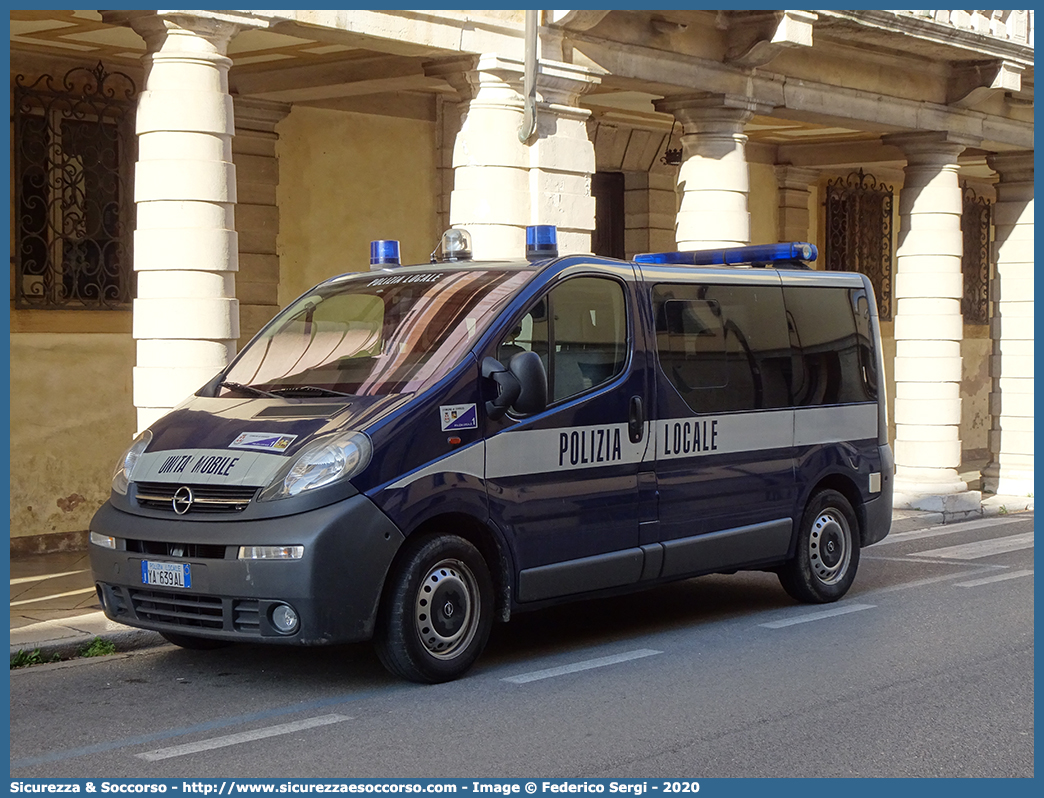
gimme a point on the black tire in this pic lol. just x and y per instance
(194, 643)
(827, 556)
(436, 612)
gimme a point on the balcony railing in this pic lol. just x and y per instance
(1012, 26)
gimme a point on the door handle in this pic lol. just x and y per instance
(636, 419)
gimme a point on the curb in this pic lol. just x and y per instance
(65, 638)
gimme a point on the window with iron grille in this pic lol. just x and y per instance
(859, 232)
(73, 203)
(976, 228)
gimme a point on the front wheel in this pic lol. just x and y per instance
(437, 610)
(824, 566)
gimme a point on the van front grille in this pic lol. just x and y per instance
(205, 498)
(194, 611)
(180, 609)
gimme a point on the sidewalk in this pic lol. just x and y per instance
(54, 607)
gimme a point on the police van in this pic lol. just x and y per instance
(411, 453)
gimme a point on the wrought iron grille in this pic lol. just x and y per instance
(976, 227)
(73, 155)
(859, 232)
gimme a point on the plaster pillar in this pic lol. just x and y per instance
(714, 179)
(501, 185)
(928, 322)
(186, 316)
(1010, 467)
(794, 195)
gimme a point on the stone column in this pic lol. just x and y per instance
(562, 156)
(1010, 467)
(501, 185)
(928, 323)
(714, 179)
(186, 316)
(257, 212)
(794, 194)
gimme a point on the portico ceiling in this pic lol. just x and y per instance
(305, 64)
(299, 65)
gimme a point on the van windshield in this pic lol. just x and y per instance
(384, 334)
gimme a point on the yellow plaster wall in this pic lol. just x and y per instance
(763, 204)
(344, 180)
(71, 417)
(975, 387)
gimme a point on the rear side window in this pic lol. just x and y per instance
(835, 361)
(580, 332)
(724, 347)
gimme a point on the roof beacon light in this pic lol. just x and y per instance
(455, 245)
(760, 253)
(384, 253)
(541, 242)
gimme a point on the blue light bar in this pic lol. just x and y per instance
(759, 253)
(541, 242)
(384, 253)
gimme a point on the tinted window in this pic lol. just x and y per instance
(724, 347)
(835, 361)
(580, 332)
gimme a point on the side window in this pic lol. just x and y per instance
(723, 347)
(835, 362)
(580, 332)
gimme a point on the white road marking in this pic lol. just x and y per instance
(981, 548)
(948, 529)
(54, 596)
(817, 616)
(928, 561)
(21, 580)
(983, 569)
(587, 664)
(996, 578)
(243, 737)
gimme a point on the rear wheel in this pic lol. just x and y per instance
(194, 643)
(437, 610)
(824, 566)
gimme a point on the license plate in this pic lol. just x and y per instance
(165, 574)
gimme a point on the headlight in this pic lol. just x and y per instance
(124, 466)
(322, 463)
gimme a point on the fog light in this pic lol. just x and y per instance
(284, 618)
(104, 541)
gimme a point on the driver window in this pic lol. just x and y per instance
(579, 331)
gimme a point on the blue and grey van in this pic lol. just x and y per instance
(409, 454)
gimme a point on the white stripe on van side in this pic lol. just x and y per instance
(541, 451)
(733, 433)
(470, 461)
(833, 424)
(517, 453)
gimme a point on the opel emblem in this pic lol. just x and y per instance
(182, 500)
(448, 609)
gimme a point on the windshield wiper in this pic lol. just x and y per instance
(238, 386)
(308, 389)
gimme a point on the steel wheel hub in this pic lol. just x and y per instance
(446, 609)
(830, 547)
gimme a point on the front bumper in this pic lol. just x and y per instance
(334, 588)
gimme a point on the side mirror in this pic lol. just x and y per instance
(508, 387)
(521, 386)
(529, 371)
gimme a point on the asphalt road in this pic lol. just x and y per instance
(924, 669)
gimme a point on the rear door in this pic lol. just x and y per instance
(563, 484)
(724, 423)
